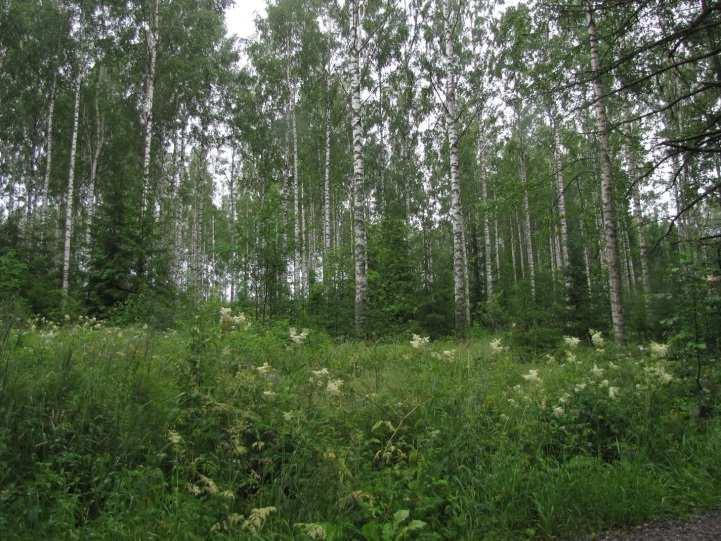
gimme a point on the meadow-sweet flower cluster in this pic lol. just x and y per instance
(419, 342)
(230, 321)
(298, 337)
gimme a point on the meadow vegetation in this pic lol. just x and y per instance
(226, 428)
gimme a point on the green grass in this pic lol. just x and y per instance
(109, 433)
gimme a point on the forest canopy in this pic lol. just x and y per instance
(365, 167)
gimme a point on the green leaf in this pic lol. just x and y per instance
(401, 516)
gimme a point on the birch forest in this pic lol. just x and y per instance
(378, 269)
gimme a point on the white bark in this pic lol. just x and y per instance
(610, 225)
(297, 262)
(527, 227)
(561, 188)
(513, 252)
(488, 255)
(360, 246)
(152, 44)
(71, 189)
(327, 238)
(49, 157)
(459, 267)
(231, 209)
(498, 247)
(638, 219)
(94, 160)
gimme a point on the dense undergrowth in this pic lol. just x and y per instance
(230, 430)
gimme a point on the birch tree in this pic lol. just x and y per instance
(459, 256)
(70, 194)
(610, 226)
(360, 245)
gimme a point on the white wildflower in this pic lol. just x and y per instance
(419, 342)
(497, 346)
(658, 350)
(322, 373)
(579, 387)
(269, 394)
(570, 357)
(296, 337)
(558, 411)
(532, 376)
(613, 392)
(229, 321)
(597, 338)
(571, 341)
(313, 530)
(596, 371)
(334, 387)
(604, 383)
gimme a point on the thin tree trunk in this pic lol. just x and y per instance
(638, 219)
(527, 227)
(561, 187)
(629, 255)
(521, 259)
(152, 39)
(459, 268)
(297, 274)
(498, 247)
(49, 158)
(45, 199)
(360, 247)
(610, 225)
(233, 242)
(327, 238)
(71, 189)
(513, 253)
(99, 142)
(488, 255)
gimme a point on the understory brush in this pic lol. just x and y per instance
(225, 429)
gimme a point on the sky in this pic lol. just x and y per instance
(240, 19)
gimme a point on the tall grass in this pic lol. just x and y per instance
(126, 433)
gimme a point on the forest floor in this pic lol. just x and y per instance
(238, 431)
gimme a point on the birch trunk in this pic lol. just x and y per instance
(513, 253)
(638, 219)
(520, 247)
(233, 246)
(561, 187)
(459, 268)
(527, 228)
(498, 247)
(610, 225)
(297, 278)
(99, 142)
(49, 158)
(360, 247)
(71, 189)
(327, 239)
(486, 224)
(152, 39)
